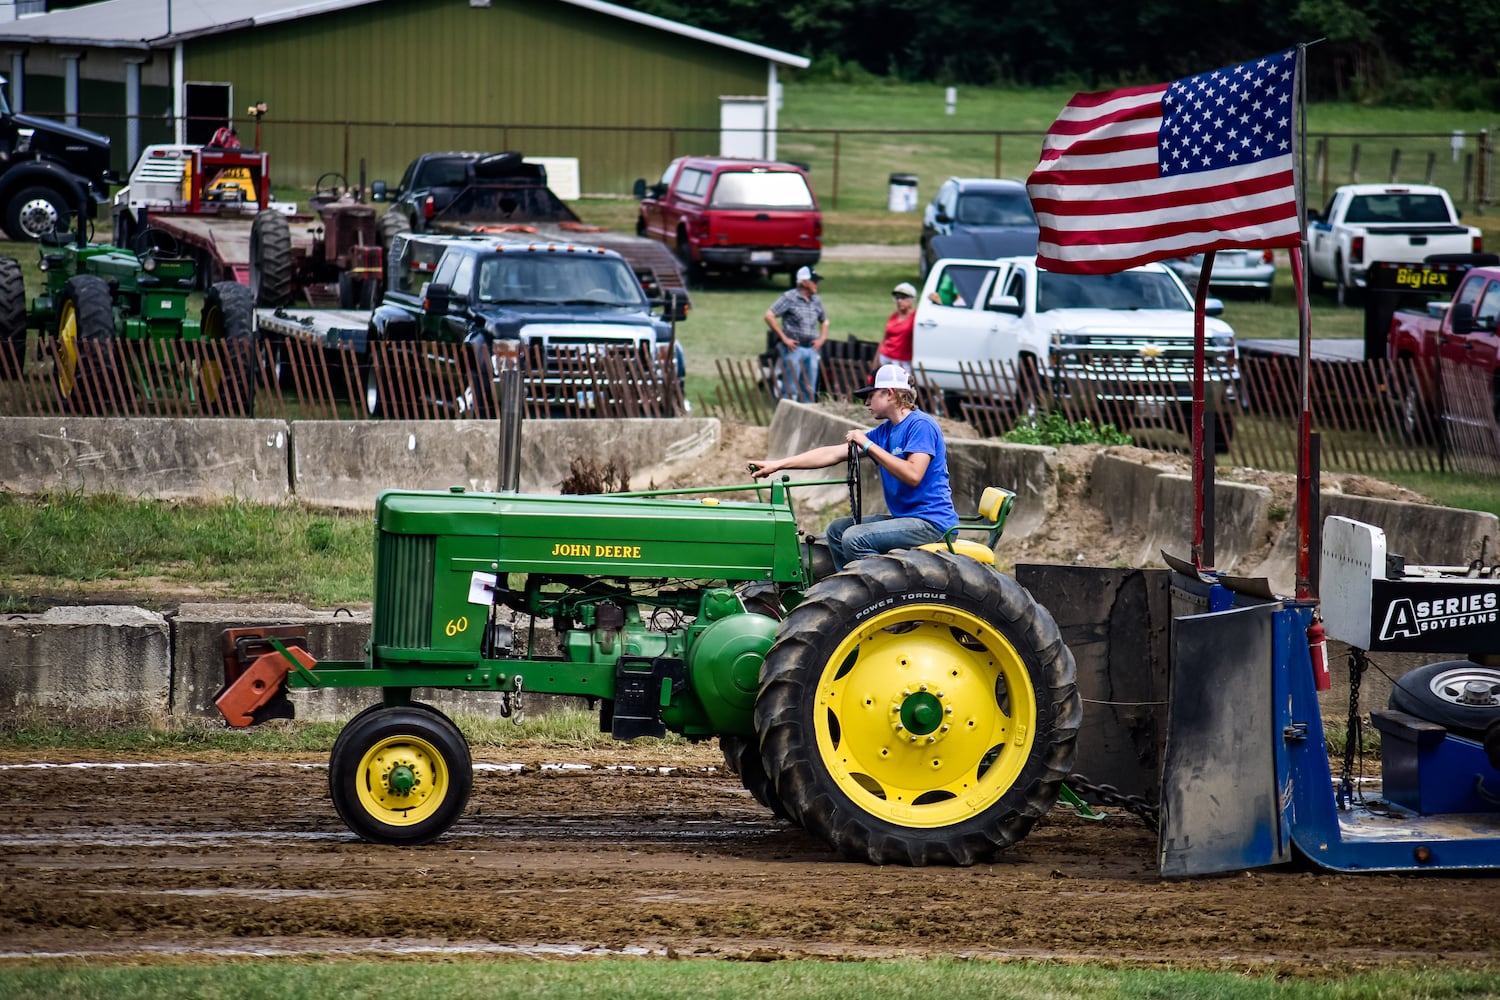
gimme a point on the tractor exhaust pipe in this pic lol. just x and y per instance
(509, 479)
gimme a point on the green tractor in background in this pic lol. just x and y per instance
(120, 336)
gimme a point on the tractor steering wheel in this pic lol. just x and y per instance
(856, 488)
(334, 189)
(159, 240)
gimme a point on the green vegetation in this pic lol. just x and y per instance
(1055, 429)
(562, 728)
(232, 547)
(697, 979)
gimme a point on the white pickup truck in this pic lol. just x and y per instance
(1400, 223)
(1006, 324)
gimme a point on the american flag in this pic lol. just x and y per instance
(1146, 173)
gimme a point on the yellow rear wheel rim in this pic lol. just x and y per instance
(402, 780)
(67, 350)
(925, 716)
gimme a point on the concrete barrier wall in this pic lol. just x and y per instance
(111, 660)
(1029, 470)
(347, 463)
(336, 463)
(142, 456)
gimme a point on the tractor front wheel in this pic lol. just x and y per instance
(86, 370)
(400, 775)
(918, 708)
(271, 259)
(227, 378)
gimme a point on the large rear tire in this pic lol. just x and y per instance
(228, 389)
(392, 224)
(918, 708)
(742, 756)
(270, 259)
(400, 775)
(12, 314)
(86, 372)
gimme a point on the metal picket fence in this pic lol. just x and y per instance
(301, 380)
(1372, 419)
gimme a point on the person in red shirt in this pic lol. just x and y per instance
(895, 349)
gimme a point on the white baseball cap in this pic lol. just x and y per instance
(808, 274)
(887, 377)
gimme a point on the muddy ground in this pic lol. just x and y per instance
(643, 851)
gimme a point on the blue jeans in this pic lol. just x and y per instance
(879, 533)
(799, 373)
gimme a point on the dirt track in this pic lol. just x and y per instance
(641, 854)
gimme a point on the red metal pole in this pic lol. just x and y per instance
(1200, 300)
(1305, 484)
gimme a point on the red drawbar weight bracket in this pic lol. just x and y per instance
(255, 670)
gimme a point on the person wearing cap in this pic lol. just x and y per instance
(895, 349)
(909, 450)
(800, 325)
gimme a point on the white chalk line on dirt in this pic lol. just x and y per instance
(502, 767)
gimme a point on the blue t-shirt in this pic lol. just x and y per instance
(932, 498)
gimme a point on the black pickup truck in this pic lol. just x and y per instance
(572, 318)
(467, 193)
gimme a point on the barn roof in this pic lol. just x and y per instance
(144, 24)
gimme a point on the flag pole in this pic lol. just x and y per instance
(1202, 552)
(1306, 487)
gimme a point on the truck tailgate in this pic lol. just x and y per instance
(762, 227)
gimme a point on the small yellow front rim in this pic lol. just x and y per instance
(211, 374)
(402, 780)
(67, 351)
(925, 716)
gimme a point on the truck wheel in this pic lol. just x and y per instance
(692, 271)
(1342, 292)
(12, 310)
(271, 259)
(227, 387)
(400, 775)
(35, 212)
(86, 370)
(1415, 417)
(392, 224)
(742, 756)
(918, 708)
(1459, 694)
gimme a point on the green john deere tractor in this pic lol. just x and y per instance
(121, 336)
(915, 708)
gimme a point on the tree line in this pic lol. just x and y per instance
(1414, 52)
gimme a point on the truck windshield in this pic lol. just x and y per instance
(545, 279)
(1378, 208)
(995, 208)
(775, 189)
(1126, 290)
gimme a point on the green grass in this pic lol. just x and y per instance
(563, 728)
(231, 547)
(699, 979)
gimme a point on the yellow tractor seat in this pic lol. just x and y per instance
(994, 506)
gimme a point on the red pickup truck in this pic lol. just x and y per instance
(723, 214)
(1461, 332)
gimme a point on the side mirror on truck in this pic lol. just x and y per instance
(377, 190)
(674, 306)
(638, 190)
(1461, 319)
(436, 298)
